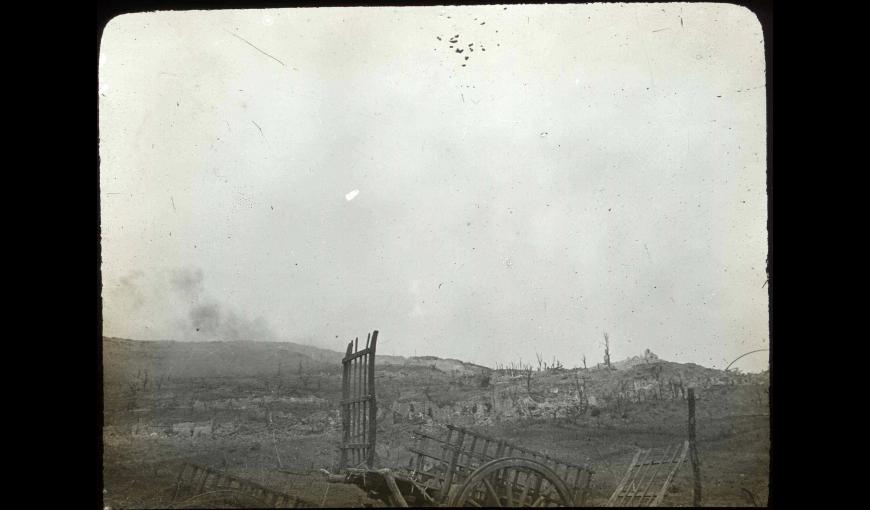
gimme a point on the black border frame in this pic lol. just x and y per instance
(780, 360)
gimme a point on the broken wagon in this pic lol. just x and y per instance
(458, 468)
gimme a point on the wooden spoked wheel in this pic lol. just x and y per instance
(513, 482)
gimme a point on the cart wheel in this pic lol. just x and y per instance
(513, 482)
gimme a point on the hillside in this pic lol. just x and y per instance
(123, 358)
(264, 407)
(449, 365)
(412, 388)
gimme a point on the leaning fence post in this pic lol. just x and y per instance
(693, 451)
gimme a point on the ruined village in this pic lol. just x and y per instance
(275, 424)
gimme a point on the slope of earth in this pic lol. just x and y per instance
(269, 412)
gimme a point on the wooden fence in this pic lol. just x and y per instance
(358, 405)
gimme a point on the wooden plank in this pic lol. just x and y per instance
(619, 488)
(513, 483)
(670, 478)
(649, 475)
(363, 383)
(351, 367)
(537, 489)
(499, 451)
(585, 492)
(652, 463)
(205, 476)
(345, 410)
(363, 399)
(179, 480)
(357, 376)
(451, 469)
(394, 489)
(358, 446)
(444, 464)
(432, 475)
(354, 355)
(373, 404)
(632, 484)
(421, 455)
(473, 433)
(643, 473)
(422, 434)
(353, 416)
(469, 457)
(484, 454)
(447, 449)
(573, 486)
(360, 432)
(647, 496)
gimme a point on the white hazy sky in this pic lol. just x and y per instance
(313, 174)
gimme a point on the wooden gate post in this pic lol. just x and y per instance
(693, 451)
(345, 410)
(373, 403)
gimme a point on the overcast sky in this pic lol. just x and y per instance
(314, 174)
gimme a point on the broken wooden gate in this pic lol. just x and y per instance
(638, 487)
(358, 405)
(202, 486)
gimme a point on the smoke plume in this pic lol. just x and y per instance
(176, 305)
(207, 319)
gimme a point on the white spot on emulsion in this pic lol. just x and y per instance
(268, 21)
(417, 311)
(350, 196)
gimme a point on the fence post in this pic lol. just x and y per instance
(373, 403)
(693, 451)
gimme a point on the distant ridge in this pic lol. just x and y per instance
(171, 358)
(235, 358)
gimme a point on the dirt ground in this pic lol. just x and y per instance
(140, 472)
